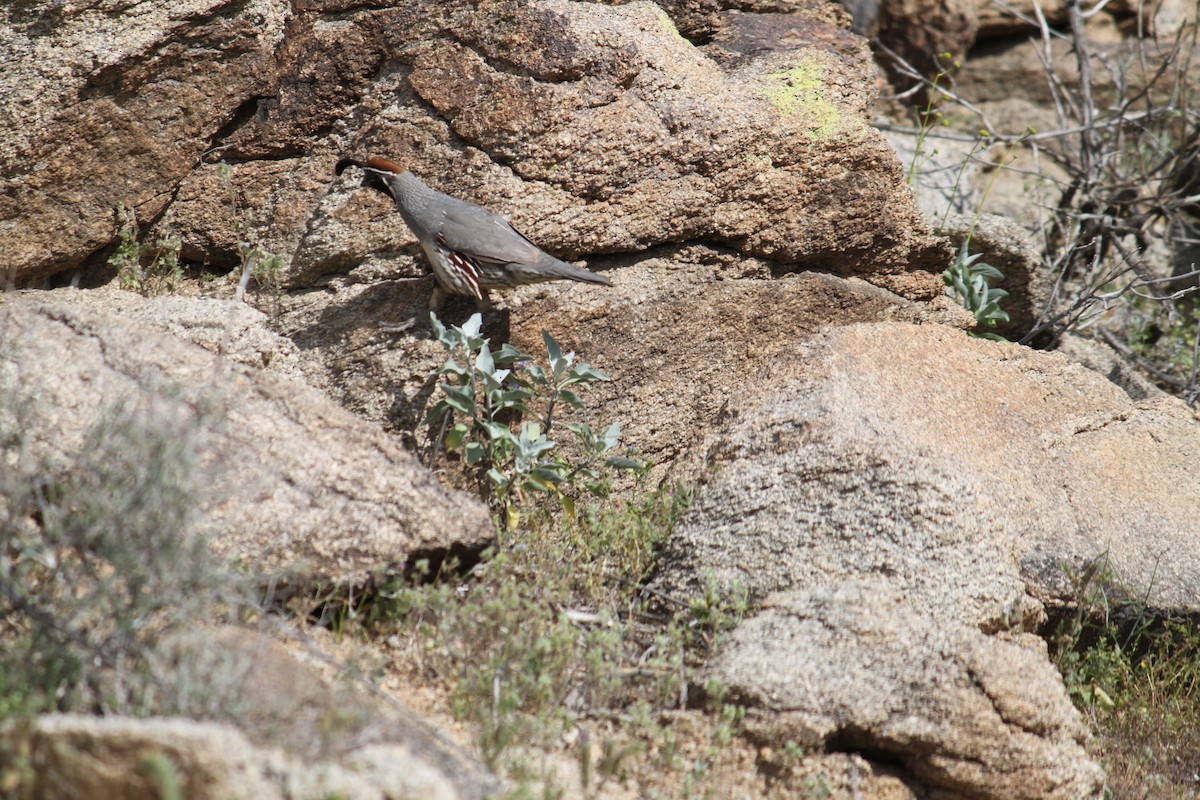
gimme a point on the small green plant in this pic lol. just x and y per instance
(730, 720)
(718, 609)
(485, 396)
(971, 283)
(255, 262)
(164, 774)
(266, 268)
(149, 268)
(931, 116)
(817, 788)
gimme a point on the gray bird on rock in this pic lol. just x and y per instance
(471, 249)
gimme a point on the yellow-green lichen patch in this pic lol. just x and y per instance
(670, 26)
(799, 91)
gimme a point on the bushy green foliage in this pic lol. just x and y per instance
(101, 564)
(487, 397)
(971, 283)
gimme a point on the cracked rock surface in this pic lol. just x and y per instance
(854, 666)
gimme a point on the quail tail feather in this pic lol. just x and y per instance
(550, 268)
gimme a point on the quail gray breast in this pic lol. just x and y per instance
(470, 248)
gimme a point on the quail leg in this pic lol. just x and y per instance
(437, 298)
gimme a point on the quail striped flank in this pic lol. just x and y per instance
(471, 249)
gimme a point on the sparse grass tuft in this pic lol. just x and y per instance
(552, 630)
(543, 629)
(257, 263)
(149, 268)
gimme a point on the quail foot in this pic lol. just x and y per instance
(471, 249)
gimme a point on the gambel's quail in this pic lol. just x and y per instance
(471, 249)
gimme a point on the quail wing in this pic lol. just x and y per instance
(477, 232)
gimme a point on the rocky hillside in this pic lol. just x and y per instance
(244, 565)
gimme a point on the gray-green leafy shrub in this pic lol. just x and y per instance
(488, 397)
(971, 284)
(102, 564)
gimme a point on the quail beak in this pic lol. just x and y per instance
(372, 175)
(345, 163)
